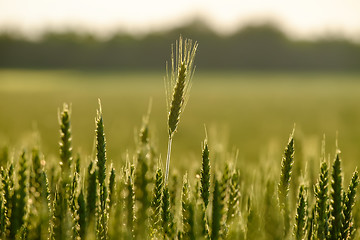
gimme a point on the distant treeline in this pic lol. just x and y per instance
(251, 48)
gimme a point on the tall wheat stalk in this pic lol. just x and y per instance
(284, 184)
(336, 203)
(177, 86)
(101, 173)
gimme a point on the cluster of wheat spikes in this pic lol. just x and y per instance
(41, 199)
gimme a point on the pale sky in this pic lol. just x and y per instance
(300, 18)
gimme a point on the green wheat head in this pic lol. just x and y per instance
(301, 214)
(205, 175)
(156, 201)
(39, 215)
(3, 216)
(141, 190)
(130, 206)
(178, 80)
(349, 201)
(35, 175)
(224, 199)
(101, 174)
(284, 185)
(73, 192)
(65, 140)
(336, 204)
(19, 198)
(112, 182)
(7, 193)
(234, 196)
(188, 224)
(100, 146)
(177, 87)
(74, 188)
(322, 204)
(167, 218)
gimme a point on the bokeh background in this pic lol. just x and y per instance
(262, 66)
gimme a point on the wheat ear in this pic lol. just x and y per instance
(178, 84)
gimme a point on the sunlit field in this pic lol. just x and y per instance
(235, 172)
(123, 120)
(251, 113)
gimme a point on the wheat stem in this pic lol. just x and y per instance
(168, 161)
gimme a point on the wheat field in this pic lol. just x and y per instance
(75, 167)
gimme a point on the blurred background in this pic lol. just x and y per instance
(261, 67)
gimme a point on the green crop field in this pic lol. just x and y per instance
(249, 112)
(245, 118)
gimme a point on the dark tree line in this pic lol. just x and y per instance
(251, 48)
